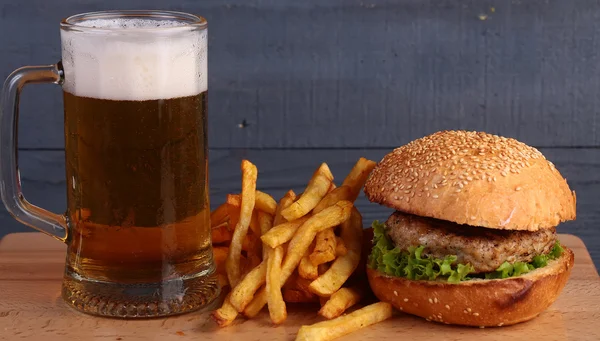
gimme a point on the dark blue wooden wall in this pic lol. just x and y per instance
(293, 83)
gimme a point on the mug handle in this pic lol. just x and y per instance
(40, 219)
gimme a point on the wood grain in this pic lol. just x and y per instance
(378, 73)
(279, 170)
(31, 267)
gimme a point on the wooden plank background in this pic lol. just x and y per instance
(295, 83)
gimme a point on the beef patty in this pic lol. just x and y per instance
(486, 249)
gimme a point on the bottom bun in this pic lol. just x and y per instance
(494, 302)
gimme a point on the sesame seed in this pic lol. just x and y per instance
(435, 196)
(469, 309)
(475, 314)
(481, 327)
(518, 189)
(395, 293)
(435, 300)
(447, 307)
(465, 311)
(467, 156)
(500, 324)
(406, 300)
(430, 301)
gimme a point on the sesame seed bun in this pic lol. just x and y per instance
(473, 178)
(496, 302)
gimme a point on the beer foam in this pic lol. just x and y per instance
(133, 60)
(130, 23)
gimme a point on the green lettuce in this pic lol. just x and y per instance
(411, 264)
(507, 269)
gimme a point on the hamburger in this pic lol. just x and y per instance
(473, 238)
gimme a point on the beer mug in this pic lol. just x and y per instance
(137, 223)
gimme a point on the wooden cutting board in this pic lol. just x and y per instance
(31, 268)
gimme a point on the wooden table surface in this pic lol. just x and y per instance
(31, 268)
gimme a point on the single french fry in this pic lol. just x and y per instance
(329, 217)
(244, 291)
(315, 191)
(324, 248)
(339, 302)
(224, 315)
(340, 247)
(265, 203)
(234, 200)
(220, 234)
(284, 203)
(219, 215)
(358, 176)
(344, 266)
(220, 256)
(249, 175)
(338, 194)
(282, 233)
(277, 309)
(265, 221)
(343, 325)
(306, 269)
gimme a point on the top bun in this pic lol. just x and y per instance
(473, 178)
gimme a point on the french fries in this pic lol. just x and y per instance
(243, 292)
(358, 176)
(332, 329)
(298, 296)
(325, 247)
(284, 203)
(224, 315)
(219, 215)
(337, 194)
(282, 233)
(315, 191)
(272, 253)
(249, 175)
(277, 309)
(329, 217)
(220, 256)
(306, 268)
(265, 221)
(339, 302)
(265, 203)
(256, 305)
(221, 234)
(344, 266)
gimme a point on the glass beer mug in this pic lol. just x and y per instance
(137, 220)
